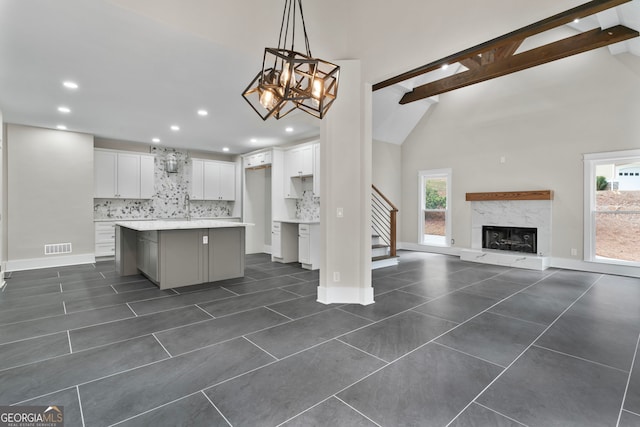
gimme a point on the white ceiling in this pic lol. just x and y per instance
(139, 73)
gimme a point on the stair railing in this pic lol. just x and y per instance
(384, 219)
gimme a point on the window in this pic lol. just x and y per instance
(612, 207)
(434, 209)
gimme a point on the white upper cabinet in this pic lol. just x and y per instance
(213, 180)
(123, 175)
(299, 161)
(258, 160)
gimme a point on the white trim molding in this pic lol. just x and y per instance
(443, 250)
(345, 295)
(59, 261)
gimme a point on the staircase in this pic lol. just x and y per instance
(383, 230)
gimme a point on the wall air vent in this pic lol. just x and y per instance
(57, 248)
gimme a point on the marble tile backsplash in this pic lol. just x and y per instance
(169, 199)
(308, 207)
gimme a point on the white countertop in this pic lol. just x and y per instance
(299, 221)
(215, 218)
(179, 224)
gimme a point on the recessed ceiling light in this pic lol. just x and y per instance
(254, 140)
(175, 127)
(64, 110)
(61, 127)
(225, 149)
(289, 129)
(445, 66)
(575, 21)
(203, 113)
(70, 85)
(155, 140)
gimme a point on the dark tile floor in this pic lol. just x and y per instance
(447, 343)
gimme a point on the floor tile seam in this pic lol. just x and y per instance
(80, 405)
(89, 381)
(205, 311)
(64, 307)
(631, 412)
(69, 342)
(161, 345)
(259, 347)
(281, 314)
(501, 414)
(252, 308)
(358, 411)
(433, 316)
(103, 276)
(144, 334)
(30, 338)
(362, 351)
(626, 388)
(518, 356)
(229, 290)
(182, 306)
(44, 395)
(516, 318)
(216, 408)
(267, 290)
(113, 305)
(61, 291)
(305, 411)
(131, 308)
(22, 365)
(114, 289)
(469, 354)
(36, 318)
(584, 359)
(132, 280)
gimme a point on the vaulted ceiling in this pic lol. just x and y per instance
(144, 65)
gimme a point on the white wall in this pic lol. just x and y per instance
(386, 175)
(50, 195)
(541, 120)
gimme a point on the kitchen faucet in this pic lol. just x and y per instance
(187, 206)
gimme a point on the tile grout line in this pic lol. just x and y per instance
(215, 407)
(114, 289)
(525, 350)
(161, 345)
(306, 410)
(277, 359)
(229, 290)
(69, 340)
(579, 358)
(515, 318)
(281, 314)
(626, 389)
(60, 284)
(206, 312)
(154, 408)
(361, 413)
(361, 350)
(631, 412)
(469, 354)
(130, 308)
(501, 414)
(103, 276)
(64, 307)
(80, 405)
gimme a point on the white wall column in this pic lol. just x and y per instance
(345, 138)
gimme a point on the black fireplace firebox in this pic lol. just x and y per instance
(515, 239)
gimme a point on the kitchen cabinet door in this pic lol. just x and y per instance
(197, 179)
(147, 177)
(211, 181)
(128, 176)
(227, 181)
(104, 174)
(276, 240)
(304, 244)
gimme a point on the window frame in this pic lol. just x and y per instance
(591, 160)
(422, 176)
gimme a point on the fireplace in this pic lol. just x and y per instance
(514, 239)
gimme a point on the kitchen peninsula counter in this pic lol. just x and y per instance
(174, 253)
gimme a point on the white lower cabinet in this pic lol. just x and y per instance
(308, 246)
(284, 242)
(105, 238)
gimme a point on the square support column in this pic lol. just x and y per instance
(345, 210)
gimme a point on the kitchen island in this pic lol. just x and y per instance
(174, 253)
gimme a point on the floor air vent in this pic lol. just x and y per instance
(57, 248)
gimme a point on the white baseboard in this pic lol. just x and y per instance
(595, 267)
(345, 295)
(506, 259)
(266, 249)
(59, 261)
(444, 250)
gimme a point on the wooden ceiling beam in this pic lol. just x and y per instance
(551, 52)
(516, 36)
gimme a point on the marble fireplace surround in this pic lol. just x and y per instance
(511, 209)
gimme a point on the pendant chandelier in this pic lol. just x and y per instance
(290, 79)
